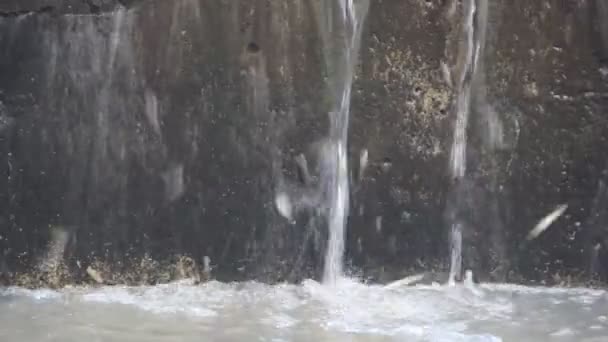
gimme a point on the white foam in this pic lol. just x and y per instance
(173, 298)
(544, 290)
(412, 313)
(563, 332)
(40, 294)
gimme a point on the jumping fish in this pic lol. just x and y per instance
(405, 281)
(96, 276)
(543, 224)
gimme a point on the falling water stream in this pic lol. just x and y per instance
(341, 33)
(458, 155)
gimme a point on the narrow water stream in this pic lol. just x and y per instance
(342, 34)
(473, 32)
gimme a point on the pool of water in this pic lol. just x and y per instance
(348, 311)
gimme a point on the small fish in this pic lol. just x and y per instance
(283, 204)
(94, 275)
(405, 281)
(543, 224)
(303, 173)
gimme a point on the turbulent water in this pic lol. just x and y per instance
(349, 311)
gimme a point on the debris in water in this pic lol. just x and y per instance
(405, 281)
(543, 224)
(94, 275)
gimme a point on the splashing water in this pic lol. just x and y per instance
(455, 253)
(341, 33)
(350, 311)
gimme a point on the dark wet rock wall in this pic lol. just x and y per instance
(146, 133)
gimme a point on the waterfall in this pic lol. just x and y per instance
(455, 252)
(341, 28)
(458, 156)
(463, 102)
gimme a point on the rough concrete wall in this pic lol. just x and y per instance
(157, 133)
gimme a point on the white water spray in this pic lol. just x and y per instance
(341, 33)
